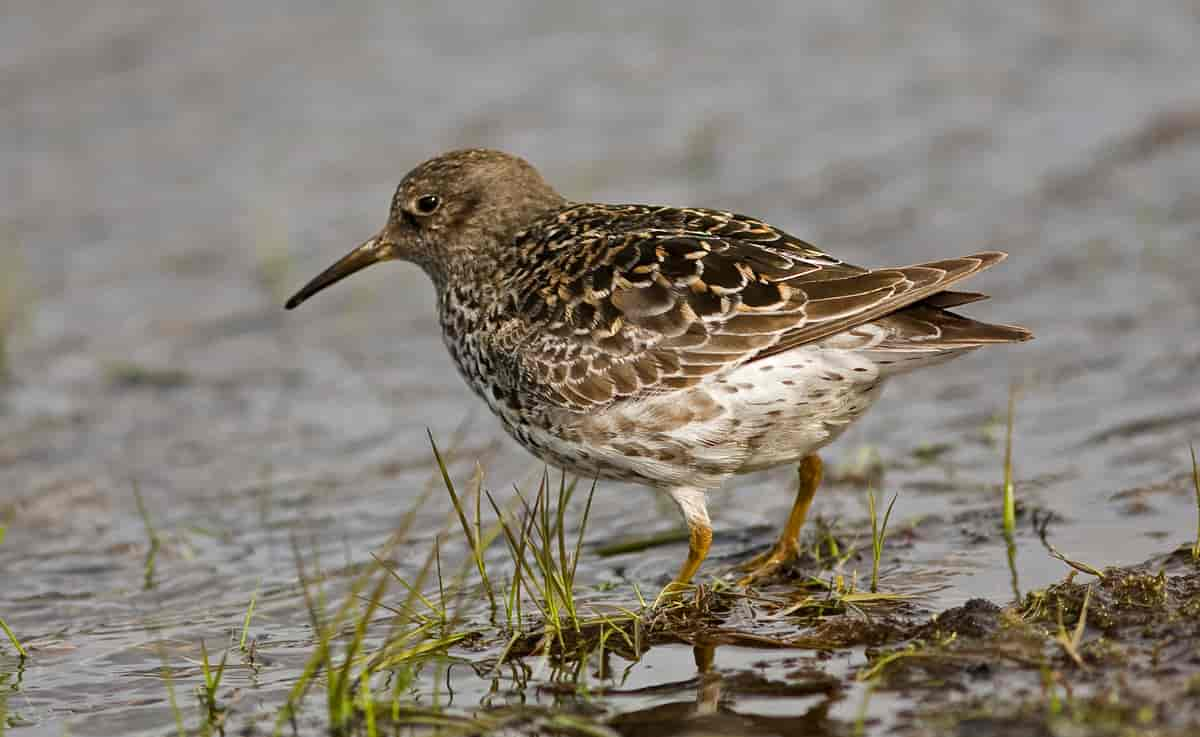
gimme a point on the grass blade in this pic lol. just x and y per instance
(1010, 504)
(175, 710)
(472, 538)
(1196, 485)
(878, 535)
(249, 614)
(587, 511)
(151, 533)
(13, 639)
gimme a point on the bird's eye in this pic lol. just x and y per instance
(428, 204)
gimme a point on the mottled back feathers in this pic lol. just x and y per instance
(610, 302)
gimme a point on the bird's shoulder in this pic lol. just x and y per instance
(641, 260)
(612, 235)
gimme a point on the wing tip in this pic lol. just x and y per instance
(991, 332)
(1009, 334)
(1020, 334)
(988, 259)
(954, 269)
(1000, 333)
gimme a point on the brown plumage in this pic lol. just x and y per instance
(669, 346)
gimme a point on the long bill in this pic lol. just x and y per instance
(370, 252)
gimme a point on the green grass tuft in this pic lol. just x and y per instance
(341, 655)
(878, 534)
(246, 619)
(155, 542)
(214, 714)
(369, 653)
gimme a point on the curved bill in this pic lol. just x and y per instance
(360, 258)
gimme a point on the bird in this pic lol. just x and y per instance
(672, 347)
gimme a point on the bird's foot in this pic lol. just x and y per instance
(674, 592)
(763, 566)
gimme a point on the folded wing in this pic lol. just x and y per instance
(650, 310)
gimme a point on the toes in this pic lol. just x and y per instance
(758, 561)
(672, 592)
(760, 573)
(766, 565)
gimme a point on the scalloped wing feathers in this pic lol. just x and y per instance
(627, 300)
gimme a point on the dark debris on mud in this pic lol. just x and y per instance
(1131, 667)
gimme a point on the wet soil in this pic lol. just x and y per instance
(169, 175)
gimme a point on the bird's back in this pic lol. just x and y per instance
(606, 303)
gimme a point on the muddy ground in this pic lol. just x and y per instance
(170, 175)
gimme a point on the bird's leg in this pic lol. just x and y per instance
(699, 540)
(695, 513)
(788, 545)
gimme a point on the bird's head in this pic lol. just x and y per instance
(447, 214)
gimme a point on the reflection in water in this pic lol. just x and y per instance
(712, 711)
(708, 695)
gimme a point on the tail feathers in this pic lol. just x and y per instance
(834, 306)
(946, 300)
(908, 327)
(925, 335)
(929, 327)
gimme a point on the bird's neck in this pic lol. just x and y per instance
(485, 275)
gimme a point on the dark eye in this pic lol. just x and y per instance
(428, 204)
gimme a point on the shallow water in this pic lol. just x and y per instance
(169, 176)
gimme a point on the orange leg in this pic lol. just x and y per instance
(699, 541)
(691, 503)
(788, 545)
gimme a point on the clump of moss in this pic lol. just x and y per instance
(1123, 597)
(1139, 590)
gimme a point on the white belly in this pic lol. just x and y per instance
(766, 413)
(797, 402)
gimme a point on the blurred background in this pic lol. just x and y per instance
(169, 174)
